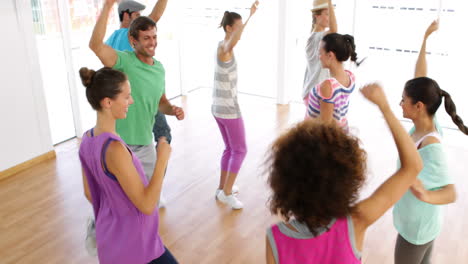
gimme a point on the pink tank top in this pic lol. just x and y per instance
(334, 246)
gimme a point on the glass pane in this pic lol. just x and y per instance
(392, 44)
(83, 16)
(201, 34)
(54, 75)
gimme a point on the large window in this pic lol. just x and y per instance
(390, 33)
(49, 39)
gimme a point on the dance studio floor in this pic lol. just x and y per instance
(43, 210)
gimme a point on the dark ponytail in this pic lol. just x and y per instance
(428, 92)
(452, 111)
(342, 45)
(104, 83)
(229, 19)
(349, 43)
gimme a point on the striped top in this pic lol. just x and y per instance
(339, 98)
(225, 90)
(334, 244)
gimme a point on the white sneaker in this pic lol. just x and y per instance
(162, 201)
(230, 200)
(235, 191)
(90, 241)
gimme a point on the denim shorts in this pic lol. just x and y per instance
(161, 128)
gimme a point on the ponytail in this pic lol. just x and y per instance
(452, 111)
(351, 47)
(342, 45)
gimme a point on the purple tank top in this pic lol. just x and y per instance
(331, 247)
(123, 233)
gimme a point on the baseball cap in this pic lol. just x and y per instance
(131, 6)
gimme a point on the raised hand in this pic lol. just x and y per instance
(111, 2)
(254, 7)
(434, 26)
(375, 94)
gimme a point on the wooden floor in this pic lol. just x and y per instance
(43, 211)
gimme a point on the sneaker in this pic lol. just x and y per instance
(162, 201)
(90, 241)
(230, 200)
(235, 191)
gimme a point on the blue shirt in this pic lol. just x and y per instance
(119, 40)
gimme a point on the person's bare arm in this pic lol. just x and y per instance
(229, 45)
(444, 195)
(326, 109)
(421, 63)
(86, 187)
(270, 259)
(333, 25)
(158, 10)
(387, 194)
(105, 53)
(167, 108)
(119, 162)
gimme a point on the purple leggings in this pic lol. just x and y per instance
(233, 133)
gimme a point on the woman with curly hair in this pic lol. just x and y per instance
(316, 171)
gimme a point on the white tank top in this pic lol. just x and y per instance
(432, 134)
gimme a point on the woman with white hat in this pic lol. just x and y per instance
(323, 17)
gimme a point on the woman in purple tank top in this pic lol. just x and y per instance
(315, 172)
(123, 200)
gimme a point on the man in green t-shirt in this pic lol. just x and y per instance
(147, 80)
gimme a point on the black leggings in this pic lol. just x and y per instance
(407, 253)
(165, 258)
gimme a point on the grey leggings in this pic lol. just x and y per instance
(407, 253)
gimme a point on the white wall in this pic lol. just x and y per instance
(24, 132)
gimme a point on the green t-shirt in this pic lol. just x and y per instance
(147, 83)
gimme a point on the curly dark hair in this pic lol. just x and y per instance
(315, 171)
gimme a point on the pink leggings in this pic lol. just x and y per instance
(233, 133)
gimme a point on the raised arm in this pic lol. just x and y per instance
(372, 208)
(229, 45)
(421, 63)
(333, 25)
(105, 53)
(120, 163)
(158, 10)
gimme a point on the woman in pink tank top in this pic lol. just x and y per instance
(316, 172)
